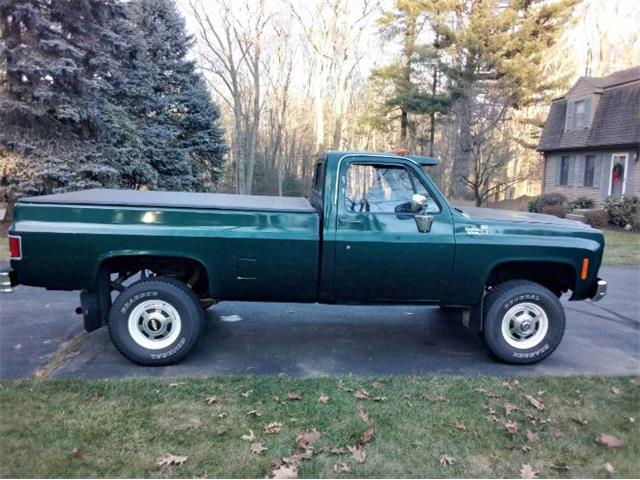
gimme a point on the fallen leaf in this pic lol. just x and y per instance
(254, 413)
(540, 393)
(579, 420)
(293, 396)
(257, 448)
(559, 434)
(365, 438)
(211, 400)
(537, 420)
(277, 463)
(487, 392)
(560, 466)
(306, 440)
(532, 436)
(632, 419)
(510, 407)
(338, 450)
(361, 394)
(512, 427)
(379, 399)
(446, 460)
(273, 427)
(341, 468)
(609, 468)
(221, 430)
(222, 415)
(251, 437)
(285, 472)
(170, 460)
(247, 393)
(76, 453)
(176, 384)
(323, 399)
(363, 415)
(535, 402)
(609, 440)
(527, 472)
(616, 390)
(461, 426)
(358, 454)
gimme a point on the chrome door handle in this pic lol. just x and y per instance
(349, 221)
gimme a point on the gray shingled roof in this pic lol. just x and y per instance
(616, 121)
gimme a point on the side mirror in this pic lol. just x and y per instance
(423, 222)
(418, 202)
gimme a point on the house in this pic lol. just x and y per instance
(591, 140)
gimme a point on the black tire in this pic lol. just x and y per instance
(167, 291)
(500, 301)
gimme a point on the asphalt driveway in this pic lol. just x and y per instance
(40, 335)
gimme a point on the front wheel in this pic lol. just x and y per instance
(156, 321)
(523, 322)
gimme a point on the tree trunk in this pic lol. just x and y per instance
(318, 106)
(432, 116)
(463, 150)
(404, 127)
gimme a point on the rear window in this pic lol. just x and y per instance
(317, 177)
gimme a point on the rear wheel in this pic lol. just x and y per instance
(156, 321)
(523, 322)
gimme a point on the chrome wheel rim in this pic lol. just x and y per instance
(154, 324)
(524, 325)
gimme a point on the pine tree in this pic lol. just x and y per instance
(498, 46)
(89, 99)
(48, 112)
(414, 78)
(181, 134)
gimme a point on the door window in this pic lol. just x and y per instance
(383, 189)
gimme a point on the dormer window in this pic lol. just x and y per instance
(580, 110)
(577, 114)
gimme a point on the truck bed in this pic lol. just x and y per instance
(138, 198)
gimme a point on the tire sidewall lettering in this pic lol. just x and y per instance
(523, 298)
(137, 298)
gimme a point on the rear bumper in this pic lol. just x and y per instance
(598, 291)
(8, 278)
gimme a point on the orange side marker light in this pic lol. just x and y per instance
(585, 268)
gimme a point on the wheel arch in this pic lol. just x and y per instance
(185, 266)
(556, 275)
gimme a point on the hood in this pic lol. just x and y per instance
(494, 214)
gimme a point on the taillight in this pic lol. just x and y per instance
(15, 247)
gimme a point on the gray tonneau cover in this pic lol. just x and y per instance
(138, 198)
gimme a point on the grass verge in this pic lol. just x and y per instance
(621, 248)
(424, 427)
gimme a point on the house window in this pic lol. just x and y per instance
(589, 170)
(564, 171)
(580, 112)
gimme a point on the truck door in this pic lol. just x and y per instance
(380, 256)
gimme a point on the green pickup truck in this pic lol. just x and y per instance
(374, 230)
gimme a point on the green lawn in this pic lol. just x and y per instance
(422, 427)
(621, 248)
